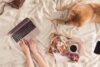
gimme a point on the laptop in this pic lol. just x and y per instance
(26, 29)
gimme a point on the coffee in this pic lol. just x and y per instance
(73, 48)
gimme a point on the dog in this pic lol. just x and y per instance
(80, 14)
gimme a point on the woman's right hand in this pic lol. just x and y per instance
(33, 46)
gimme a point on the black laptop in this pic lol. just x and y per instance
(25, 29)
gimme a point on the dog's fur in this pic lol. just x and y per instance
(81, 14)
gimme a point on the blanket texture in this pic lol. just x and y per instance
(41, 12)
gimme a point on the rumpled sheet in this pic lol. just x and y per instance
(41, 12)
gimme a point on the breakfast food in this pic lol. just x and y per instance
(65, 46)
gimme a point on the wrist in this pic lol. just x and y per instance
(27, 53)
(34, 51)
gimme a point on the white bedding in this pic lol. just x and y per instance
(40, 12)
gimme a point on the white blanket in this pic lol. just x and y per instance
(40, 12)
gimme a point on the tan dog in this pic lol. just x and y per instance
(81, 14)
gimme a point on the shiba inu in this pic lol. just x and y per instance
(80, 14)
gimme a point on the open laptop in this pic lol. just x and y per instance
(25, 29)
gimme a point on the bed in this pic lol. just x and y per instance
(41, 12)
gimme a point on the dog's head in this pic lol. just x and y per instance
(74, 18)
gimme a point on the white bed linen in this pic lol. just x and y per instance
(40, 12)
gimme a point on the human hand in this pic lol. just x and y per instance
(33, 47)
(24, 45)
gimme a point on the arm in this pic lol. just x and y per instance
(29, 62)
(39, 59)
(36, 55)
